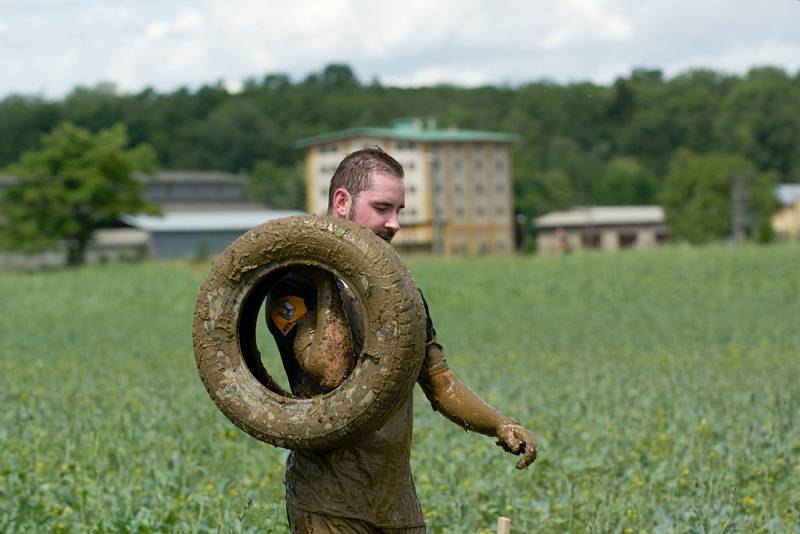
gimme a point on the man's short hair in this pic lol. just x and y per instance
(354, 172)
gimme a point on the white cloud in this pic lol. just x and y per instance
(173, 42)
(105, 14)
(583, 21)
(157, 30)
(441, 74)
(189, 20)
(740, 59)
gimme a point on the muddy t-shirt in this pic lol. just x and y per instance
(370, 480)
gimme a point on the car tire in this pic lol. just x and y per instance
(226, 318)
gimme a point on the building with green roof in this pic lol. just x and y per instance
(459, 188)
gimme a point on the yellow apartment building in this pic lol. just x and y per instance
(459, 184)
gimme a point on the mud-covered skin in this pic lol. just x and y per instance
(450, 396)
(328, 358)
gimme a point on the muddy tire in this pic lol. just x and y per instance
(227, 315)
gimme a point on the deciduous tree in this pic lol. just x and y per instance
(698, 191)
(74, 184)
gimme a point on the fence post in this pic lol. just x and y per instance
(503, 525)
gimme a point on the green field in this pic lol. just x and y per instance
(663, 386)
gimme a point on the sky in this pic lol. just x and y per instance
(48, 47)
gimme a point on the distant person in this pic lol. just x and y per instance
(366, 487)
(563, 243)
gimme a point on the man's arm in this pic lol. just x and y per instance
(450, 396)
(323, 346)
(306, 304)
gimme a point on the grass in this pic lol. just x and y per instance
(663, 388)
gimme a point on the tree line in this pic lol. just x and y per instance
(645, 139)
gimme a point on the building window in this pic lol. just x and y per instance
(479, 211)
(410, 165)
(501, 187)
(412, 189)
(330, 147)
(478, 164)
(327, 169)
(406, 145)
(479, 188)
(500, 165)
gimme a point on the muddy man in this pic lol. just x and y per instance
(366, 487)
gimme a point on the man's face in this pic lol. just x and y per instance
(378, 207)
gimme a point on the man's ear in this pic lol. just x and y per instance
(342, 202)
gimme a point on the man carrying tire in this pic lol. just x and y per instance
(366, 486)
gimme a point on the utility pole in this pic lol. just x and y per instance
(739, 206)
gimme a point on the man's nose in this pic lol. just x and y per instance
(393, 222)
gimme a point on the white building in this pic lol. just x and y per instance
(603, 227)
(459, 186)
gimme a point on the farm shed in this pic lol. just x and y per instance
(600, 227)
(192, 234)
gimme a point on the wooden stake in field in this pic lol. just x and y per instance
(503, 525)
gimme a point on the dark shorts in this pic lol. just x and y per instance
(302, 522)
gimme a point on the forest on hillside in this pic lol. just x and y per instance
(582, 143)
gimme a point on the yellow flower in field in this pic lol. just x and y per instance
(630, 513)
(702, 427)
(234, 493)
(55, 510)
(67, 510)
(39, 468)
(628, 530)
(748, 501)
(209, 488)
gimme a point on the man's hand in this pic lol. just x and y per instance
(514, 438)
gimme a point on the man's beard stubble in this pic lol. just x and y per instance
(383, 233)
